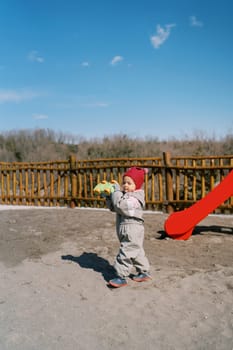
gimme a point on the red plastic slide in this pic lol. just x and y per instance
(180, 225)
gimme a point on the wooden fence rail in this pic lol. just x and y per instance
(172, 182)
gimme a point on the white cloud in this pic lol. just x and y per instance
(16, 96)
(95, 105)
(161, 35)
(40, 116)
(85, 64)
(116, 59)
(194, 22)
(102, 104)
(33, 56)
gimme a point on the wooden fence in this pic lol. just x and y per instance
(171, 183)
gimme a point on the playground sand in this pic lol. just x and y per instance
(55, 264)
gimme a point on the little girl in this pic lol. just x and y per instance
(128, 204)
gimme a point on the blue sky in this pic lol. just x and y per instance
(95, 68)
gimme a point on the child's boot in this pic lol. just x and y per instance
(118, 282)
(141, 277)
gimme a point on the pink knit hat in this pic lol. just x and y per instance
(137, 175)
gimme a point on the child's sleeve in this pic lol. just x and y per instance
(109, 200)
(126, 205)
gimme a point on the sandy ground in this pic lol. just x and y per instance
(54, 268)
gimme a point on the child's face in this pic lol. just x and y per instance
(128, 184)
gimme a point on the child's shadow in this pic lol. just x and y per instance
(94, 262)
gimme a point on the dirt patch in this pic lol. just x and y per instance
(29, 234)
(55, 264)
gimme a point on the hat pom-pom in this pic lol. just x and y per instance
(146, 170)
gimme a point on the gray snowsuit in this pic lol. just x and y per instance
(130, 231)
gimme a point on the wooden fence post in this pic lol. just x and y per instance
(73, 180)
(168, 181)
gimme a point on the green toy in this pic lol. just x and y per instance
(104, 188)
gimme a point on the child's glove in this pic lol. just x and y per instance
(104, 188)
